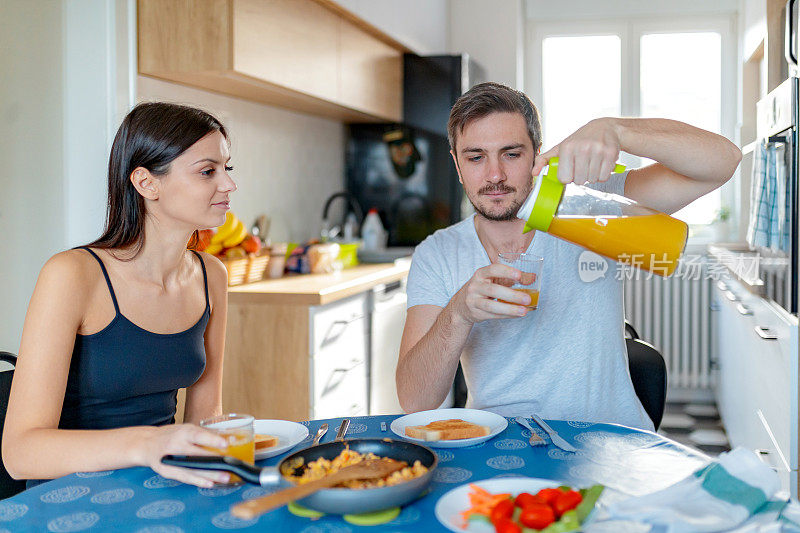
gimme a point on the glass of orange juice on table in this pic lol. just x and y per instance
(237, 429)
(531, 280)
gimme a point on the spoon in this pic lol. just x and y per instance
(320, 433)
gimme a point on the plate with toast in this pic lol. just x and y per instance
(449, 428)
(273, 437)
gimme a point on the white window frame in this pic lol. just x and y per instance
(630, 31)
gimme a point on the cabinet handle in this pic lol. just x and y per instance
(336, 377)
(766, 333)
(744, 310)
(355, 362)
(353, 318)
(330, 336)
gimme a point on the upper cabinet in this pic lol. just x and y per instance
(306, 55)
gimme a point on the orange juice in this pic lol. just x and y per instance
(240, 445)
(651, 242)
(533, 293)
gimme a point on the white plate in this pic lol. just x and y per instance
(456, 501)
(289, 434)
(495, 422)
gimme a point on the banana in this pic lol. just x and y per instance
(226, 229)
(213, 249)
(237, 236)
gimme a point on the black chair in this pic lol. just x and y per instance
(8, 485)
(648, 373)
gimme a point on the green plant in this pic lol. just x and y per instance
(723, 214)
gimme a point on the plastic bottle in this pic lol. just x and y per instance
(608, 224)
(372, 231)
(350, 227)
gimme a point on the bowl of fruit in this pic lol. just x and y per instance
(242, 253)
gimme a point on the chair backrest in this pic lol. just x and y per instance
(8, 485)
(648, 374)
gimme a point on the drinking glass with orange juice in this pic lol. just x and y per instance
(531, 279)
(237, 429)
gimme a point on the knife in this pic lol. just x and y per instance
(320, 433)
(342, 431)
(555, 437)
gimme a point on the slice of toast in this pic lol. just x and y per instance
(264, 441)
(451, 429)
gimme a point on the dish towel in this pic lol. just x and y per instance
(736, 492)
(770, 197)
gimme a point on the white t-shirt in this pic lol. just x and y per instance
(567, 359)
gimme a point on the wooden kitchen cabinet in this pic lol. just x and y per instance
(297, 362)
(306, 55)
(298, 348)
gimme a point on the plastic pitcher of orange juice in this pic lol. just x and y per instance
(608, 224)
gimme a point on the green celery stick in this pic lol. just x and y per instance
(590, 497)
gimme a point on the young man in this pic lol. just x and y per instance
(567, 359)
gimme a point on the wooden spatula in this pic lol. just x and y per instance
(367, 469)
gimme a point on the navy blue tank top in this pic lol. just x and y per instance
(124, 375)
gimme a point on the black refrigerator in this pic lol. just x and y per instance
(405, 170)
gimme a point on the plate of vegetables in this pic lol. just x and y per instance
(517, 505)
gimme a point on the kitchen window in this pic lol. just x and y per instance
(674, 68)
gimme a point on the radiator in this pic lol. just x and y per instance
(673, 315)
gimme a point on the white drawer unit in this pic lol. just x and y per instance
(757, 381)
(339, 347)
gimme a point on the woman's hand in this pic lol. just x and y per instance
(478, 299)
(181, 439)
(587, 156)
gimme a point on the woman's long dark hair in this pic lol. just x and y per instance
(152, 136)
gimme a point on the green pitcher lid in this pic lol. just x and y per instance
(550, 191)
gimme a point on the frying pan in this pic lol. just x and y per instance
(336, 500)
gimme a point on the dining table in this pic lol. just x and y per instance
(628, 461)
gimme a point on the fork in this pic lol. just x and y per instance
(535, 439)
(558, 441)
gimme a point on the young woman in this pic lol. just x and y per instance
(115, 328)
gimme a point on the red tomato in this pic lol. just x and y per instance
(506, 525)
(537, 516)
(549, 495)
(503, 509)
(525, 499)
(566, 501)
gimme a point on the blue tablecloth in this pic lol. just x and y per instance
(628, 461)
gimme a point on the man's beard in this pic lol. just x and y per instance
(510, 213)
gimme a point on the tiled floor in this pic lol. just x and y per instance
(696, 425)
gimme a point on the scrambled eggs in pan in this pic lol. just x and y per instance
(323, 467)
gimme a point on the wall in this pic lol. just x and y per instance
(753, 20)
(421, 25)
(31, 208)
(543, 10)
(492, 32)
(65, 67)
(285, 163)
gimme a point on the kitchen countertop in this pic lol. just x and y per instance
(318, 289)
